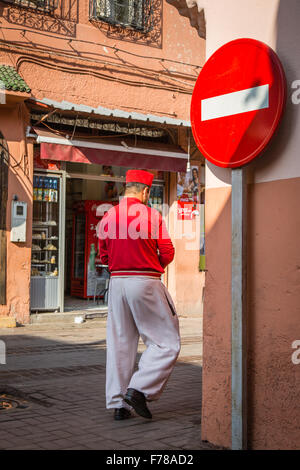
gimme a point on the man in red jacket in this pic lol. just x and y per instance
(134, 242)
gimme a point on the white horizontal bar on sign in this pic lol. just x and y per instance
(243, 101)
(115, 148)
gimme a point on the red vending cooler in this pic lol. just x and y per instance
(85, 255)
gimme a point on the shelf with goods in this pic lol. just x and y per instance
(45, 226)
(45, 251)
(44, 259)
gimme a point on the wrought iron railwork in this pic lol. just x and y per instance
(42, 5)
(62, 19)
(135, 14)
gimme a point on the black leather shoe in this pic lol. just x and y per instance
(121, 413)
(138, 402)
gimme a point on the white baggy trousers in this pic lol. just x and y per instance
(139, 307)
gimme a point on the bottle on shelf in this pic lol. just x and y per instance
(40, 188)
(160, 196)
(54, 273)
(35, 189)
(92, 257)
(51, 189)
(46, 189)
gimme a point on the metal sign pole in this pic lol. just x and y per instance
(238, 310)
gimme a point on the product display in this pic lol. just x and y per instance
(156, 197)
(85, 269)
(50, 247)
(45, 189)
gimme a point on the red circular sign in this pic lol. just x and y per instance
(237, 102)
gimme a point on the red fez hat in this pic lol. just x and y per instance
(139, 176)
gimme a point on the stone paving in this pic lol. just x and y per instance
(54, 387)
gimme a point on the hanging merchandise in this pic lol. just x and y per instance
(188, 194)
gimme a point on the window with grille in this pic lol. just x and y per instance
(44, 5)
(126, 13)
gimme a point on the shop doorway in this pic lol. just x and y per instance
(88, 197)
(90, 191)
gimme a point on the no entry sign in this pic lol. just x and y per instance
(237, 102)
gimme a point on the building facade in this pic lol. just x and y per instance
(89, 73)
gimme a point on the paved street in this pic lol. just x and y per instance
(54, 388)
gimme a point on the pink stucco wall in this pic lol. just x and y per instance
(273, 314)
(12, 118)
(216, 389)
(273, 251)
(92, 67)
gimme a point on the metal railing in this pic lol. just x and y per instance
(135, 14)
(41, 5)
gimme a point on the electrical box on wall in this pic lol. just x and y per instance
(18, 221)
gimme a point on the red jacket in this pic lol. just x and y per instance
(133, 240)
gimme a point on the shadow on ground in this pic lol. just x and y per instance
(54, 390)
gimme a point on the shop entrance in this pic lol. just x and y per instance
(88, 197)
(67, 274)
(90, 191)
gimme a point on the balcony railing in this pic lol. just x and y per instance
(41, 5)
(135, 14)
